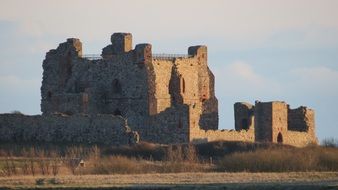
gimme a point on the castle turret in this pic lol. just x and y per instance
(143, 53)
(244, 116)
(57, 69)
(121, 43)
(200, 51)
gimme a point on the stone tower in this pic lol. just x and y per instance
(276, 122)
(151, 91)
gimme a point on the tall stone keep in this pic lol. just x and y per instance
(170, 93)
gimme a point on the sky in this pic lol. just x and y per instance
(262, 50)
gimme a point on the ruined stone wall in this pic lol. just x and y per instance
(200, 135)
(170, 126)
(184, 87)
(56, 128)
(147, 91)
(189, 81)
(301, 119)
(57, 69)
(206, 86)
(117, 84)
(301, 127)
(165, 99)
(299, 139)
(244, 116)
(162, 75)
(120, 43)
(275, 122)
(209, 117)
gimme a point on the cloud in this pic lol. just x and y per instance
(319, 74)
(15, 83)
(19, 94)
(318, 80)
(240, 80)
(236, 24)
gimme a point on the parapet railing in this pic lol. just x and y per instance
(92, 56)
(160, 56)
(165, 56)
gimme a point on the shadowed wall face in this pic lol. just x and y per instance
(244, 116)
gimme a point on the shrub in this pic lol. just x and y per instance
(16, 112)
(40, 181)
(142, 150)
(330, 142)
(281, 160)
(116, 164)
(54, 181)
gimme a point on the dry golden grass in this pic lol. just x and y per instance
(171, 178)
(138, 159)
(282, 160)
(175, 165)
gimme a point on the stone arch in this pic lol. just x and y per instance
(116, 86)
(279, 138)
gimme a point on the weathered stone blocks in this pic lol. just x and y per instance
(63, 129)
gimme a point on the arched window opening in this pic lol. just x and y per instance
(280, 138)
(116, 85)
(245, 124)
(117, 112)
(182, 85)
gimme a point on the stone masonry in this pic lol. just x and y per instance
(157, 98)
(58, 128)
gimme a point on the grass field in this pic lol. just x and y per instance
(242, 180)
(183, 166)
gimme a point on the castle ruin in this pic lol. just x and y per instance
(161, 98)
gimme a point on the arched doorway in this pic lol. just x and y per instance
(280, 138)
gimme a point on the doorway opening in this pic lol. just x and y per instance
(279, 138)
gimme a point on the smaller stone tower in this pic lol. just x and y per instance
(271, 121)
(120, 43)
(244, 116)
